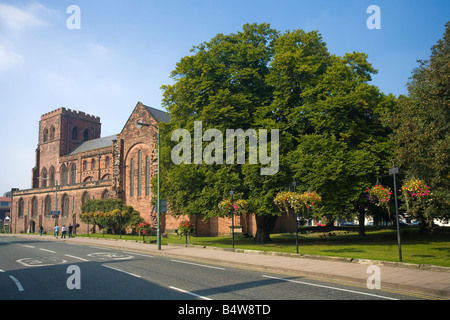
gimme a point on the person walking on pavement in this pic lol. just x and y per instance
(63, 231)
(41, 229)
(70, 230)
(56, 231)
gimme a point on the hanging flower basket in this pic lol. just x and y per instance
(379, 195)
(416, 188)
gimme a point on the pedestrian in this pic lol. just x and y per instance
(41, 229)
(63, 231)
(70, 231)
(56, 231)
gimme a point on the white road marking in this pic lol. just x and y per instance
(129, 273)
(199, 265)
(18, 284)
(47, 250)
(191, 293)
(138, 254)
(328, 287)
(82, 259)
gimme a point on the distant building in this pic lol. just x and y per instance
(5, 207)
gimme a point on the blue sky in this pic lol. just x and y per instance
(125, 50)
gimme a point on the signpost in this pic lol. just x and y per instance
(394, 171)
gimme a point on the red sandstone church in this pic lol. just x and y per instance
(74, 164)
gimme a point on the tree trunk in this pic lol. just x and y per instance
(264, 225)
(361, 220)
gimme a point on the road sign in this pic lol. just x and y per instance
(56, 213)
(393, 171)
(163, 205)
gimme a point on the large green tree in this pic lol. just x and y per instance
(261, 78)
(421, 125)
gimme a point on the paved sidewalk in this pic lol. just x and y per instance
(433, 281)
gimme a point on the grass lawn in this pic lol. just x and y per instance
(376, 245)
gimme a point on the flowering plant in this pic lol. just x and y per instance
(238, 206)
(379, 195)
(185, 228)
(416, 188)
(292, 201)
(144, 227)
(225, 205)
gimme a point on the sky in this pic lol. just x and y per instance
(109, 55)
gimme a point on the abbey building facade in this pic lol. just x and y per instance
(73, 164)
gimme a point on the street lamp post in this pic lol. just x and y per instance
(232, 217)
(294, 184)
(139, 125)
(394, 171)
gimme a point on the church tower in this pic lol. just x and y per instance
(60, 132)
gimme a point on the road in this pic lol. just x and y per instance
(49, 270)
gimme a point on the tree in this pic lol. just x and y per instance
(421, 125)
(222, 84)
(259, 78)
(109, 213)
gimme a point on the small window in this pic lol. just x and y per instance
(45, 135)
(86, 135)
(75, 133)
(52, 133)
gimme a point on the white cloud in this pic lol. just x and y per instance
(9, 59)
(33, 15)
(99, 51)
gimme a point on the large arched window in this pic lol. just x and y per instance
(48, 206)
(65, 206)
(20, 208)
(44, 178)
(34, 207)
(85, 197)
(73, 174)
(147, 175)
(132, 178)
(52, 177)
(139, 190)
(64, 175)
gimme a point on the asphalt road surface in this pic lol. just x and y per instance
(48, 270)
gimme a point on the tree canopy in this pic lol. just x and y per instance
(331, 138)
(421, 125)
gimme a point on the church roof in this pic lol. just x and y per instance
(159, 115)
(95, 144)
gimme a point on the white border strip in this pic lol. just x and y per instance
(198, 265)
(333, 288)
(129, 273)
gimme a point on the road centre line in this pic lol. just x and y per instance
(129, 273)
(82, 259)
(328, 287)
(47, 250)
(138, 254)
(199, 265)
(25, 245)
(18, 284)
(191, 293)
